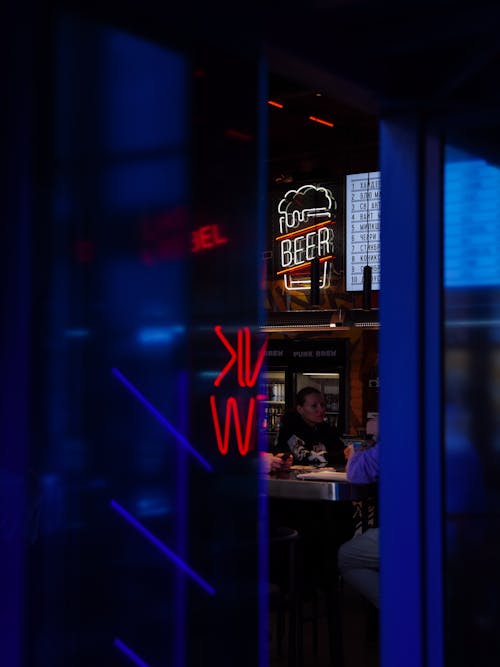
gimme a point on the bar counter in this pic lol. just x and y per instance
(325, 484)
(325, 508)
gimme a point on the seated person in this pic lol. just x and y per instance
(305, 433)
(358, 559)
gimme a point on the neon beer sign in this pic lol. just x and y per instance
(239, 363)
(306, 219)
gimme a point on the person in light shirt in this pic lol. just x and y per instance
(359, 558)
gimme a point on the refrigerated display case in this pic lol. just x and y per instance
(294, 364)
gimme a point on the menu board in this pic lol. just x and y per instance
(362, 229)
(471, 229)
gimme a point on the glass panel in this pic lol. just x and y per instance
(110, 469)
(472, 399)
(146, 533)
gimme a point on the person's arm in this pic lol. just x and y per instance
(270, 463)
(363, 466)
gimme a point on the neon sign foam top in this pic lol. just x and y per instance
(306, 232)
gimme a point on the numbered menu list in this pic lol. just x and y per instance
(362, 229)
(471, 223)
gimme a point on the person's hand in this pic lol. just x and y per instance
(281, 462)
(275, 462)
(348, 452)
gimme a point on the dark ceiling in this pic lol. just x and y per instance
(440, 59)
(300, 148)
(419, 53)
(368, 58)
(378, 54)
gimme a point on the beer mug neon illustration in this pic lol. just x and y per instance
(306, 220)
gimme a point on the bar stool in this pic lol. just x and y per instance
(321, 600)
(283, 590)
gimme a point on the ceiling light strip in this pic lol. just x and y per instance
(321, 121)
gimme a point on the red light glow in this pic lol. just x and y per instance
(84, 251)
(303, 230)
(321, 121)
(239, 355)
(237, 134)
(207, 237)
(164, 237)
(275, 104)
(243, 443)
(299, 267)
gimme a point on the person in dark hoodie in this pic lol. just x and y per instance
(307, 435)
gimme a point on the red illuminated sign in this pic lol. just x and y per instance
(233, 411)
(166, 236)
(207, 237)
(240, 357)
(163, 237)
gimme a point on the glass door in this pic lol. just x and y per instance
(472, 405)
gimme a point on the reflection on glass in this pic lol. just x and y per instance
(472, 400)
(117, 239)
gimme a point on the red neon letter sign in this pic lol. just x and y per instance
(241, 355)
(247, 377)
(223, 440)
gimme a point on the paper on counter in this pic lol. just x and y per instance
(325, 475)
